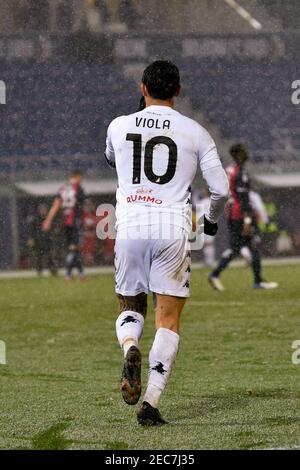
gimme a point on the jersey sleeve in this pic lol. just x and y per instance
(207, 151)
(214, 175)
(258, 206)
(109, 151)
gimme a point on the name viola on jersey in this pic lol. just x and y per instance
(152, 123)
(143, 198)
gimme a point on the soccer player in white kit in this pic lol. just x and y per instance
(156, 152)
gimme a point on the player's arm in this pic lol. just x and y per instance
(51, 214)
(109, 153)
(217, 182)
(259, 208)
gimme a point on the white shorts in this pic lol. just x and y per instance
(156, 264)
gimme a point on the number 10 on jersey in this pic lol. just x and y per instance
(148, 160)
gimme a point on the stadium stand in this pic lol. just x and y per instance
(248, 101)
(60, 112)
(286, 12)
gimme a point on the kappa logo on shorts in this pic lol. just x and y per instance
(187, 284)
(159, 368)
(129, 319)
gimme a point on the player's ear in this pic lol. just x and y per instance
(144, 90)
(178, 91)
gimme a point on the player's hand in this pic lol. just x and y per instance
(247, 227)
(46, 225)
(210, 228)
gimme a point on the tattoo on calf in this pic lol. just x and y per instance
(137, 303)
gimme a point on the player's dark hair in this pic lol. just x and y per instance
(77, 172)
(236, 149)
(142, 104)
(162, 79)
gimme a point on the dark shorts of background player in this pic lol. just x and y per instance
(73, 254)
(72, 236)
(237, 240)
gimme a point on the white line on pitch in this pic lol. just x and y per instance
(281, 448)
(98, 270)
(215, 303)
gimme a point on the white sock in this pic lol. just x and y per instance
(209, 254)
(161, 358)
(246, 253)
(129, 329)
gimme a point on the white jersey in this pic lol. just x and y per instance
(156, 153)
(204, 203)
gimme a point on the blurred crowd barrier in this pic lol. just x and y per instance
(146, 15)
(69, 15)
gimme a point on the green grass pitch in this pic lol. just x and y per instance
(233, 387)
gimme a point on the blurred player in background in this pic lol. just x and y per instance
(209, 248)
(258, 207)
(262, 219)
(89, 233)
(242, 223)
(41, 242)
(156, 152)
(70, 200)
